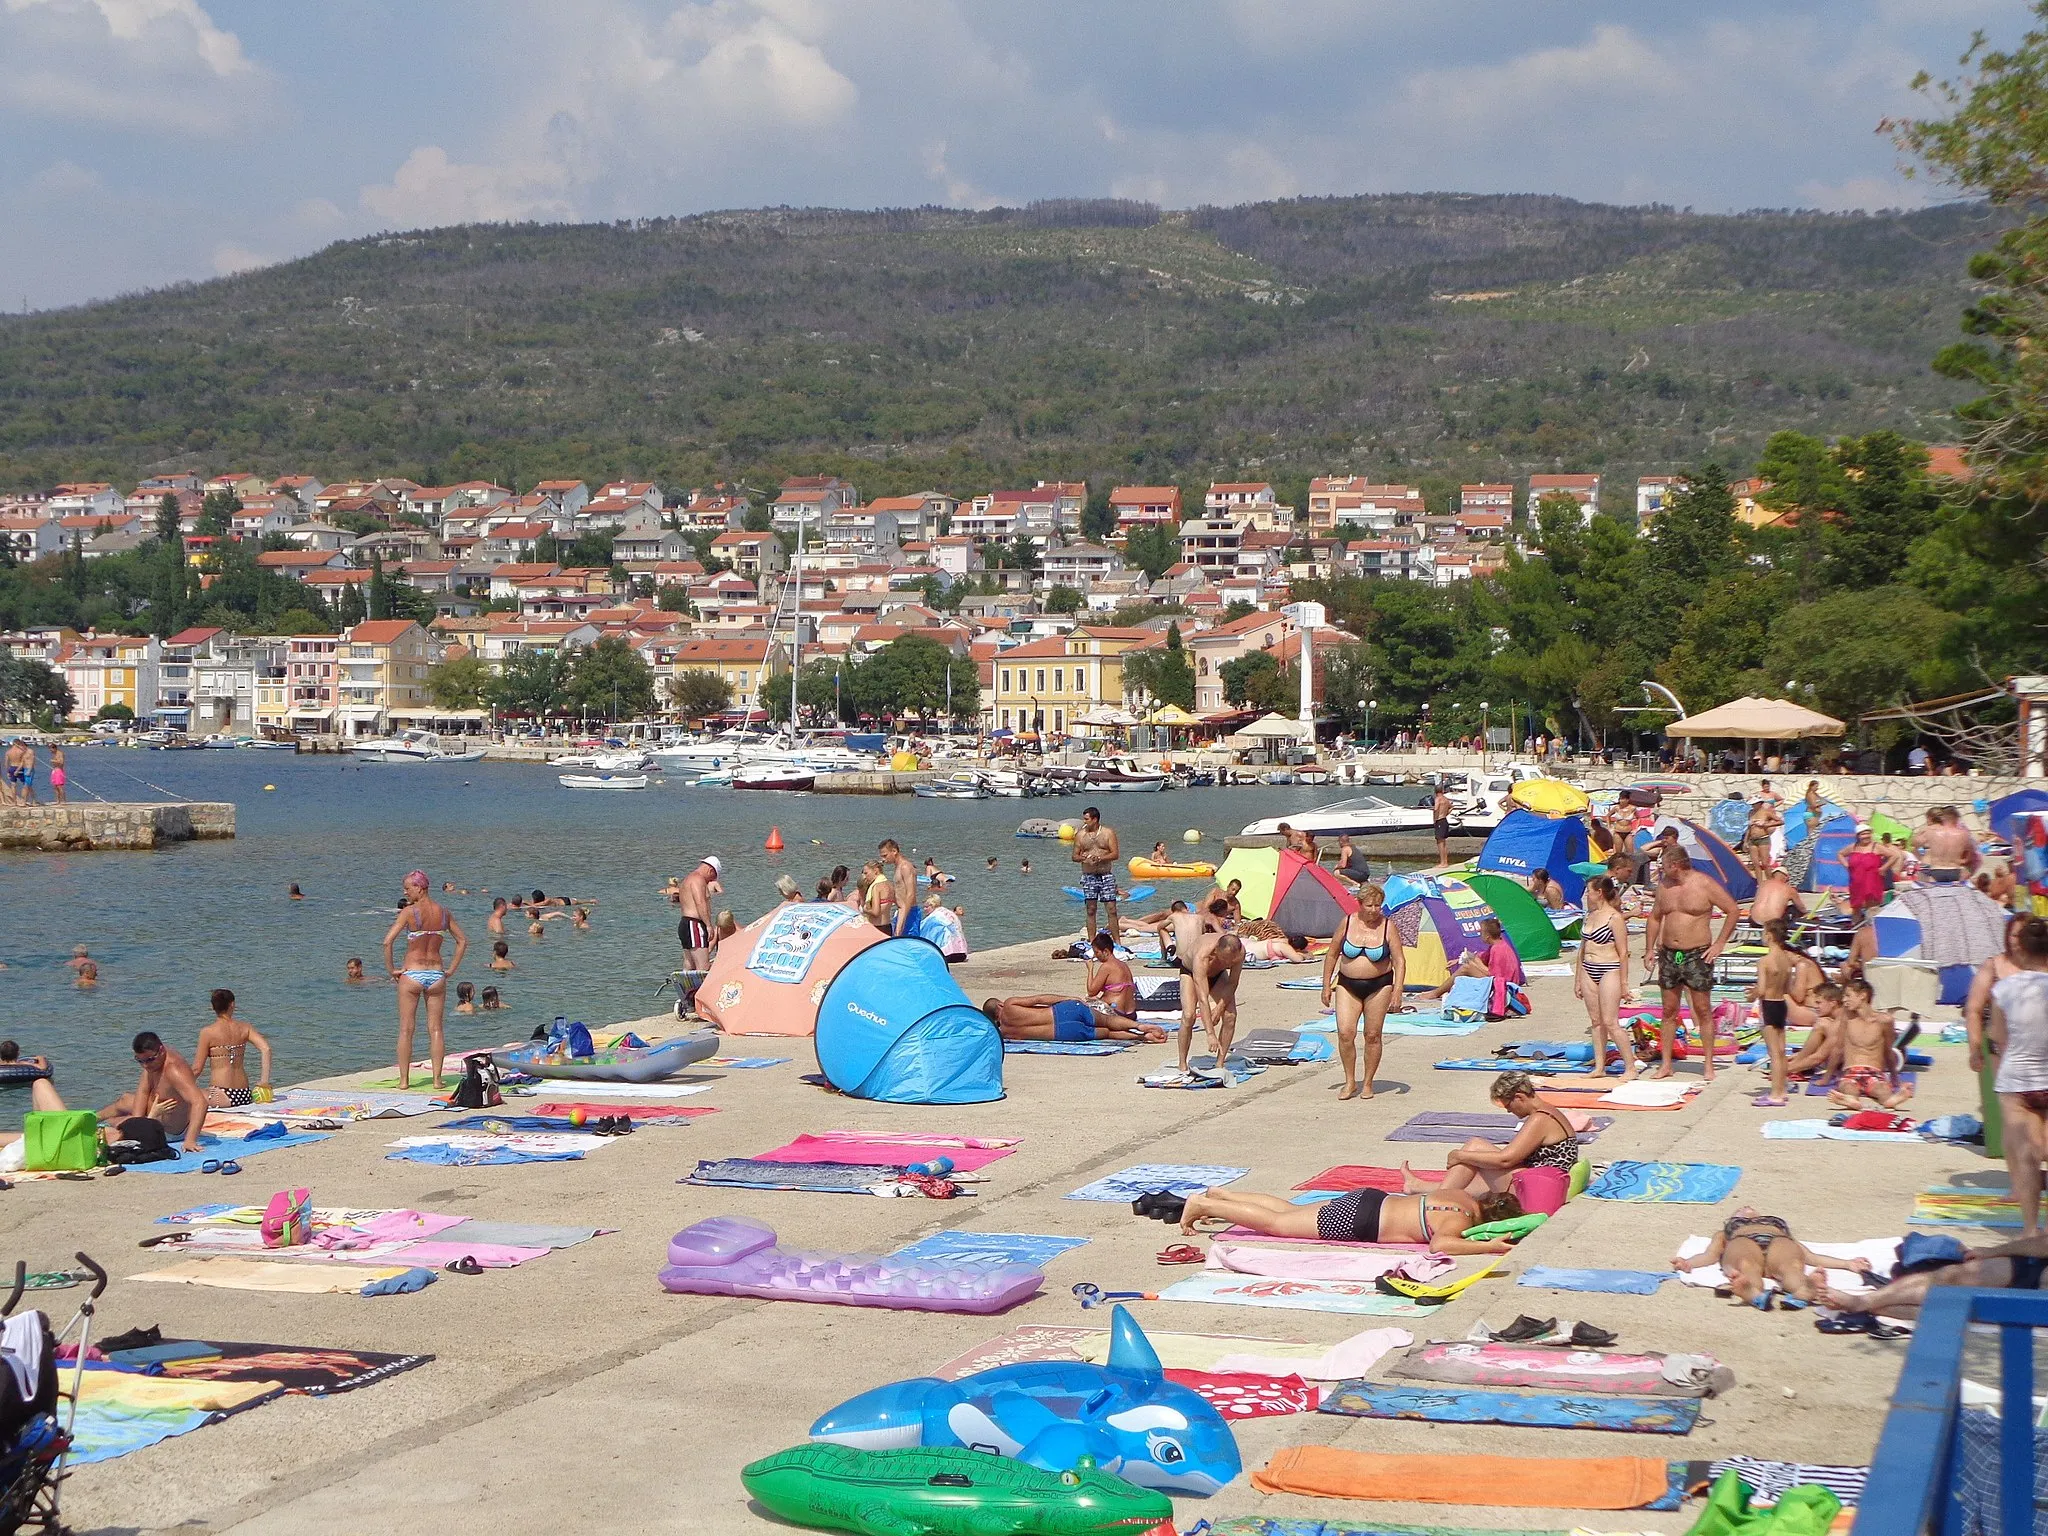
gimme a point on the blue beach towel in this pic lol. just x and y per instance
(1177, 1178)
(1666, 1183)
(214, 1148)
(1613, 1282)
(1063, 1048)
(442, 1155)
(1034, 1248)
(1545, 1410)
(1516, 1064)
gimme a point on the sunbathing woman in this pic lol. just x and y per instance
(1545, 1140)
(1367, 962)
(1753, 1249)
(1436, 1217)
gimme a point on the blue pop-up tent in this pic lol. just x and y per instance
(2006, 811)
(1525, 842)
(894, 1026)
(1709, 854)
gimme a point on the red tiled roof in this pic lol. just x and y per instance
(379, 631)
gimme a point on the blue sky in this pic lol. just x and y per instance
(145, 142)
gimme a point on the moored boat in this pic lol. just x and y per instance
(602, 780)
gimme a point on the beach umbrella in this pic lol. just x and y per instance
(1172, 714)
(1549, 797)
(1954, 927)
(2007, 809)
(1708, 852)
(1754, 719)
(1105, 714)
(1272, 727)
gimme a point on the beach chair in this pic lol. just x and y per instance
(32, 1468)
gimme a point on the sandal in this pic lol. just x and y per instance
(230, 1166)
(211, 1165)
(466, 1265)
(1180, 1253)
(1765, 1101)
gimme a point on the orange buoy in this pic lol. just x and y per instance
(774, 843)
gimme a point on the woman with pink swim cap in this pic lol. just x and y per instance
(425, 923)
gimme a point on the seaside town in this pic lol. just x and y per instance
(596, 931)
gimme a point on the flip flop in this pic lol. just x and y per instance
(211, 1165)
(230, 1166)
(1765, 1101)
(466, 1265)
(1180, 1253)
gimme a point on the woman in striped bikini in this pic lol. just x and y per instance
(1602, 970)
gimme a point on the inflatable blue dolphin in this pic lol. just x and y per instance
(1126, 1415)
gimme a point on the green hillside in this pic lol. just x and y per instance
(1431, 338)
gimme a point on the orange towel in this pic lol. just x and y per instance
(1513, 1482)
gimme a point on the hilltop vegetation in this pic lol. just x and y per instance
(1426, 338)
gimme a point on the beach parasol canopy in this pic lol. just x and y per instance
(1753, 719)
(1273, 726)
(1172, 714)
(1548, 797)
(1104, 714)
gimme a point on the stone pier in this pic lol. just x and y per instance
(93, 826)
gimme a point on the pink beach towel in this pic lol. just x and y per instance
(967, 1153)
(1320, 1264)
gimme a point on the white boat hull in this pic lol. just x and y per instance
(602, 780)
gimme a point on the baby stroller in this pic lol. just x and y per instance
(32, 1463)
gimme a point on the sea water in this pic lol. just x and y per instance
(168, 927)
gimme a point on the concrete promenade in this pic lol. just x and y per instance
(573, 1393)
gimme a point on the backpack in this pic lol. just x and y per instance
(288, 1219)
(479, 1086)
(139, 1139)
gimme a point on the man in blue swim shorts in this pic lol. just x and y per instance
(1048, 1016)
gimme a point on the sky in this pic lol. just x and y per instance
(148, 142)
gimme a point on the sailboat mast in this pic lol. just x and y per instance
(796, 627)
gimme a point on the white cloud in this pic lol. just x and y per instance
(66, 178)
(432, 189)
(154, 64)
(230, 258)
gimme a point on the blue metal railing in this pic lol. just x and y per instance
(1913, 1476)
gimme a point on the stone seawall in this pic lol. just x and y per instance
(100, 826)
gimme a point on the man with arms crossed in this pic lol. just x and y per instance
(1096, 850)
(902, 878)
(1680, 955)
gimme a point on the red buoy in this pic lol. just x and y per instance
(774, 843)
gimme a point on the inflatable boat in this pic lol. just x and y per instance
(650, 1065)
(1143, 868)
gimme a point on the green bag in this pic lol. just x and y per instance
(59, 1140)
(1804, 1510)
(1516, 1227)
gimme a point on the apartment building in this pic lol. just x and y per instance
(1584, 489)
(1141, 506)
(382, 666)
(1046, 685)
(748, 664)
(1252, 501)
(106, 670)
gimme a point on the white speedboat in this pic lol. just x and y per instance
(411, 746)
(220, 741)
(1112, 774)
(1478, 804)
(265, 744)
(632, 760)
(1011, 784)
(964, 785)
(792, 778)
(602, 780)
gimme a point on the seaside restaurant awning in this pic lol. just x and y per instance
(1753, 719)
(1273, 726)
(1172, 714)
(1107, 715)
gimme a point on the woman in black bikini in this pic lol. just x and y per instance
(1603, 971)
(1364, 973)
(1546, 1140)
(1437, 1218)
(1754, 1249)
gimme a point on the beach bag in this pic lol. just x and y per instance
(1541, 1191)
(571, 1040)
(140, 1139)
(1470, 998)
(288, 1219)
(61, 1140)
(479, 1088)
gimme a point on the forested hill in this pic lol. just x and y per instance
(1426, 338)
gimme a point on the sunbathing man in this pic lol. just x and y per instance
(2014, 1266)
(167, 1091)
(1870, 1064)
(1436, 1217)
(1753, 1250)
(1048, 1016)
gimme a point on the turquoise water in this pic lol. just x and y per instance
(168, 927)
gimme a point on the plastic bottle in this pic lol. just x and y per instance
(938, 1167)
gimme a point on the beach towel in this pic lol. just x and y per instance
(1354, 1298)
(1063, 1048)
(1302, 984)
(1032, 1344)
(1548, 1410)
(1945, 1205)
(1430, 1024)
(1346, 1177)
(1880, 1252)
(1511, 1482)
(1469, 1363)
(121, 1411)
(1455, 1127)
(1768, 1480)
(1644, 1093)
(1033, 1248)
(1535, 1068)
(637, 1113)
(304, 1371)
(1247, 1396)
(1613, 1282)
(1175, 1178)
(670, 1090)
(1820, 1130)
(745, 1063)
(484, 1155)
(219, 1149)
(1206, 1352)
(552, 1124)
(346, 1104)
(517, 1234)
(236, 1274)
(817, 1178)
(1341, 1362)
(1173, 1077)
(1665, 1183)
(967, 1153)
(1295, 1263)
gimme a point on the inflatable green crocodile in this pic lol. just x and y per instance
(948, 1492)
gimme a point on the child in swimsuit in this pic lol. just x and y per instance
(1772, 991)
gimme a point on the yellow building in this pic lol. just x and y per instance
(104, 670)
(382, 666)
(1048, 684)
(745, 663)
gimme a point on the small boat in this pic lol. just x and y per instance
(602, 780)
(965, 785)
(773, 778)
(620, 1065)
(629, 761)
(1110, 774)
(1144, 869)
(410, 746)
(1039, 826)
(219, 742)
(265, 744)
(1135, 893)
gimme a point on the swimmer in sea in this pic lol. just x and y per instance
(295, 893)
(501, 957)
(496, 922)
(88, 975)
(80, 957)
(353, 971)
(465, 997)
(491, 1002)
(581, 919)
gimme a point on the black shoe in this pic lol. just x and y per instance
(1153, 1202)
(1525, 1330)
(1586, 1336)
(622, 1125)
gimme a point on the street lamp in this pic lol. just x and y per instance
(1365, 708)
(1485, 735)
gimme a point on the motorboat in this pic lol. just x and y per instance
(964, 785)
(631, 760)
(411, 746)
(1113, 774)
(220, 742)
(749, 777)
(265, 744)
(602, 780)
(1013, 784)
(1479, 802)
